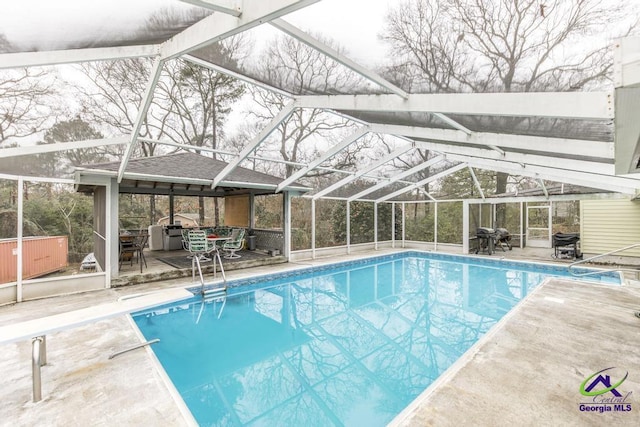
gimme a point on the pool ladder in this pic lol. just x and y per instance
(195, 262)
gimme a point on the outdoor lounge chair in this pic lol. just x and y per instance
(234, 244)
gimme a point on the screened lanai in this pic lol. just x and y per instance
(372, 143)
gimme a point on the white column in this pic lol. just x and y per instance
(521, 227)
(112, 244)
(313, 228)
(435, 228)
(286, 198)
(348, 227)
(393, 225)
(465, 227)
(252, 211)
(375, 225)
(19, 225)
(403, 223)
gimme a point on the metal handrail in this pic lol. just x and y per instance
(134, 347)
(582, 261)
(38, 359)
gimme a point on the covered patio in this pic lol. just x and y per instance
(169, 176)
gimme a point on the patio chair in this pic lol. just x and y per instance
(234, 244)
(133, 246)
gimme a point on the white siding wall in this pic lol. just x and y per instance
(607, 225)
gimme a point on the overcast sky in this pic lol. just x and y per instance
(355, 24)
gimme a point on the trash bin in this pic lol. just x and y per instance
(251, 243)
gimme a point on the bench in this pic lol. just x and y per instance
(37, 329)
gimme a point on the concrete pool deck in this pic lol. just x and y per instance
(528, 370)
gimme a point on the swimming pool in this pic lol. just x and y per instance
(346, 344)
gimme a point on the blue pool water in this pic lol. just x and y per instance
(350, 344)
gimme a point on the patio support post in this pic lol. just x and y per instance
(435, 228)
(171, 207)
(521, 225)
(375, 225)
(19, 236)
(313, 228)
(393, 225)
(403, 223)
(108, 234)
(465, 227)
(112, 248)
(348, 227)
(286, 201)
(252, 211)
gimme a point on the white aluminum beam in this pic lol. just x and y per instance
(476, 182)
(142, 114)
(237, 76)
(11, 177)
(362, 172)
(448, 120)
(526, 159)
(577, 105)
(626, 62)
(596, 149)
(187, 146)
(544, 188)
(230, 7)
(324, 157)
(219, 26)
(275, 122)
(425, 181)
(61, 146)
(305, 38)
(604, 182)
(397, 177)
(55, 57)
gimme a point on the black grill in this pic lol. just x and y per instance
(485, 239)
(566, 245)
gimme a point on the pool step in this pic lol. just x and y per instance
(216, 292)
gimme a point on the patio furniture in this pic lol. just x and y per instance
(133, 246)
(234, 244)
(199, 246)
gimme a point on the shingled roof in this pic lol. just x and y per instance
(182, 173)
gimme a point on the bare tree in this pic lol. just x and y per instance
(502, 46)
(300, 69)
(189, 106)
(25, 99)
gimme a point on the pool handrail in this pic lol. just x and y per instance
(589, 273)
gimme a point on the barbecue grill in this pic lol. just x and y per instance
(566, 245)
(503, 237)
(485, 239)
